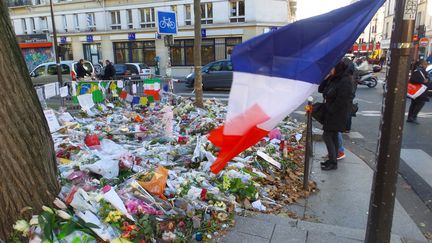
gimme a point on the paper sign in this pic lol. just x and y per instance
(50, 90)
(120, 84)
(86, 101)
(268, 159)
(129, 98)
(66, 117)
(64, 91)
(134, 88)
(53, 124)
(40, 94)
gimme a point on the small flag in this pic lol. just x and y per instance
(97, 96)
(135, 100)
(150, 99)
(129, 98)
(123, 94)
(143, 101)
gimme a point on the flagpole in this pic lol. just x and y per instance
(383, 194)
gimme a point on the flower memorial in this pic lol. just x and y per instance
(142, 174)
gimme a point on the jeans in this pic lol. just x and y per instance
(331, 141)
(340, 142)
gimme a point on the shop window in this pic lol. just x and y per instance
(230, 43)
(147, 18)
(182, 52)
(115, 20)
(135, 52)
(237, 11)
(206, 13)
(188, 15)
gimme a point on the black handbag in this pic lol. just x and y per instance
(318, 112)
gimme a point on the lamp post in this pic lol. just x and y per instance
(56, 50)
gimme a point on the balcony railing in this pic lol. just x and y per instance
(17, 3)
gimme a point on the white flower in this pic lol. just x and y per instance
(59, 203)
(21, 226)
(35, 239)
(98, 197)
(62, 214)
(34, 220)
(47, 209)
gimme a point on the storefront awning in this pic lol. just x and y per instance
(35, 45)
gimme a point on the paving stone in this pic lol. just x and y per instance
(318, 237)
(279, 220)
(239, 237)
(254, 227)
(288, 235)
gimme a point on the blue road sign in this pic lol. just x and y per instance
(167, 23)
(89, 38)
(203, 33)
(63, 39)
(131, 36)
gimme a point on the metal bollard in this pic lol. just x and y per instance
(308, 144)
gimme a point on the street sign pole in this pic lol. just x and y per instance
(382, 200)
(56, 51)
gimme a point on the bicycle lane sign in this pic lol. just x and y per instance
(167, 22)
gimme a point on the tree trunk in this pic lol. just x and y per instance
(28, 171)
(197, 55)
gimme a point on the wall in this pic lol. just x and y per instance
(35, 56)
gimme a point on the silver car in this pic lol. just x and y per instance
(47, 72)
(218, 74)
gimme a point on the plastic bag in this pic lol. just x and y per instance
(156, 185)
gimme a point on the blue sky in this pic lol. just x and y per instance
(309, 8)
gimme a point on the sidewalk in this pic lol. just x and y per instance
(336, 213)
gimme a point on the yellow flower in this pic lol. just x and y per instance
(22, 226)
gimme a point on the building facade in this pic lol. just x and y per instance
(126, 30)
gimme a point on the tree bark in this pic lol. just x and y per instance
(197, 55)
(28, 171)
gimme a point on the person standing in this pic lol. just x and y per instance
(337, 92)
(81, 72)
(418, 76)
(109, 71)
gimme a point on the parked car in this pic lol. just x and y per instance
(121, 70)
(47, 72)
(140, 69)
(218, 74)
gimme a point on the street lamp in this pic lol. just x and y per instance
(56, 50)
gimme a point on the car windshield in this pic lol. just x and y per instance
(143, 66)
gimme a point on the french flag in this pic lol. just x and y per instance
(275, 72)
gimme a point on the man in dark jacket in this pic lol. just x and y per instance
(81, 72)
(337, 92)
(109, 71)
(419, 76)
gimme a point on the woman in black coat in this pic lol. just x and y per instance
(419, 76)
(337, 91)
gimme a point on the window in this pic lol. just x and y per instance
(147, 18)
(136, 52)
(206, 13)
(129, 18)
(39, 71)
(237, 12)
(43, 23)
(188, 18)
(91, 23)
(182, 52)
(52, 69)
(24, 26)
(66, 52)
(386, 31)
(230, 43)
(115, 20)
(32, 25)
(64, 20)
(76, 22)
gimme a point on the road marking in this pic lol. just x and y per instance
(355, 135)
(420, 162)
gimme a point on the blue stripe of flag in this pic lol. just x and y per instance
(306, 50)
